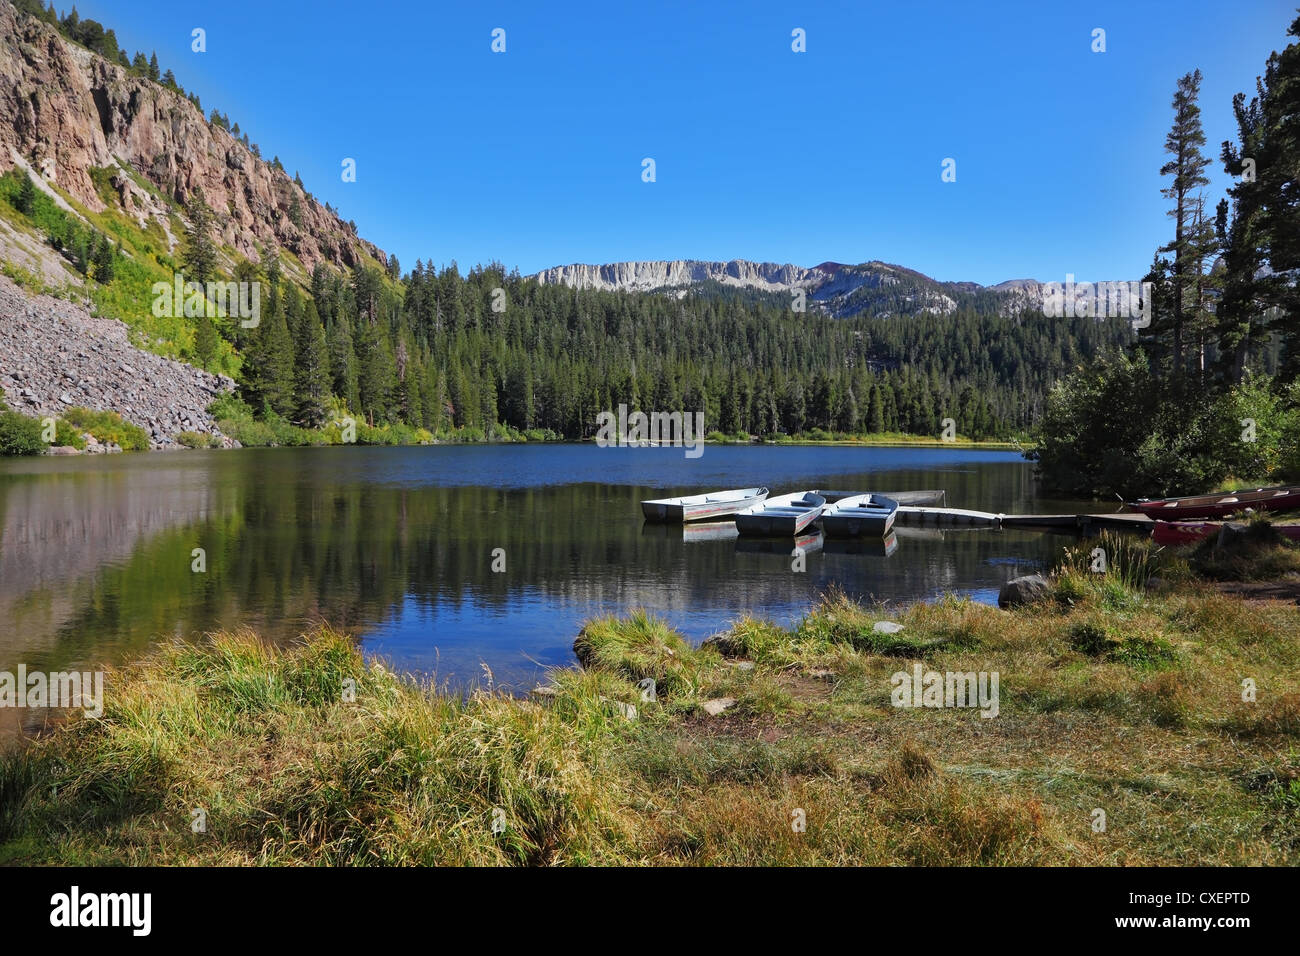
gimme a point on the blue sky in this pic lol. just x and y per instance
(533, 157)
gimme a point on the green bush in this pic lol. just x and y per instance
(394, 434)
(1114, 427)
(20, 435)
(230, 406)
(247, 432)
(67, 434)
(192, 439)
(109, 427)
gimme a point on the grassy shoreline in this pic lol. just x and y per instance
(1117, 693)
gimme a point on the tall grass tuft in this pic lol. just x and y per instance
(1130, 559)
(636, 647)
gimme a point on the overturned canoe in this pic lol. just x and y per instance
(713, 505)
(859, 516)
(1219, 505)
(782, 516)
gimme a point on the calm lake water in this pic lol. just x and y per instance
(397, 544)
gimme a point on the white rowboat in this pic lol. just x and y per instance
(711, 506)
(782, 516)
(859, 516)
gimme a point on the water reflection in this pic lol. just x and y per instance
(399, 545)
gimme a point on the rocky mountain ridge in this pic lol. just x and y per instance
(833, 288)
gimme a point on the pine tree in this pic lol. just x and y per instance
(311, 368)
(876, 412)
(26, 199)
(278, 376)
(1187, 168)
(343, 368)
(374, 372)
(199, 256)
(153, 67)
(1279, 166)
(1240, 222)
(268, 364)
(206, 341)
(105, 257)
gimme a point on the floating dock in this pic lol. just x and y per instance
(912, 515)
(1126, 522)
(933, 497)
(960, 517)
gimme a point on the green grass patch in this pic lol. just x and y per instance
(108, 426)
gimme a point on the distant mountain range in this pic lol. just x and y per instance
(833, 288)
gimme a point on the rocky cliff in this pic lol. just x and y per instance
(65, 111)
(646, 276)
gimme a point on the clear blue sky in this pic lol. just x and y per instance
(533, 157)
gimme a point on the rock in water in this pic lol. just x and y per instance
(1023, 590)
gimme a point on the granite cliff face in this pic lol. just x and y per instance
(65, 111)
(646, 276)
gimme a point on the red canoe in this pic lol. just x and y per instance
(1220, 505)
(1189, 532)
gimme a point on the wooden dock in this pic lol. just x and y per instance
(1085, 523)
(960, 517)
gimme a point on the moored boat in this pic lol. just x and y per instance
(1219, 505)
(859, 516)
(782, 516)
(710, 506)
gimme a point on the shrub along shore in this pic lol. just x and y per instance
(1122, 736)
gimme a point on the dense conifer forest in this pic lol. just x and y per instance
(441, 350)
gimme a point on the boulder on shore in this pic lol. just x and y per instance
(1026, 589)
